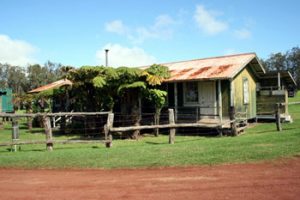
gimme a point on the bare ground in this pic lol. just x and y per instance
(267, 180)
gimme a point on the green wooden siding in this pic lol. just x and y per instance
(239, 104)
(267, 102)
(6, 100)
(225, 88)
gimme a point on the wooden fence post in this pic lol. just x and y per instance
(29, 123)
(172, 130)
(107, 126)
(15, 133)
(48, 132)
(277, 115)
(233, 121)
(1, 123)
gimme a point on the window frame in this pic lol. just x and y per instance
(246, 93)
(186, 100)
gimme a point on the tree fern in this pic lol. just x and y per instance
(134, 85)
(155, 74)
(99, 82)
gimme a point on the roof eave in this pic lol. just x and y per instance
(245, 65)
(199, 79)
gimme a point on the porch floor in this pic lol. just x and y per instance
(284, 117)
(225, 122)
(210, 121)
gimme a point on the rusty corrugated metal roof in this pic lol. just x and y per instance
(53, 85)
(224, 67)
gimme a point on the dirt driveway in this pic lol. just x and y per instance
(268, 180)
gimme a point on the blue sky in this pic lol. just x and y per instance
(76, 32)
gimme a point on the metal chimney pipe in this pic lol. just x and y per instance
(279, 81)
(106, 57)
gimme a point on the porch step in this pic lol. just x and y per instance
(241, 129)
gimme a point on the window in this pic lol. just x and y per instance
(191, 92)
(246, 90)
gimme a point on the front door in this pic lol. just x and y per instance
(207, 99)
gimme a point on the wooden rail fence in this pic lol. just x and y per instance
(171, 126)
(47, 127)
(109, 128)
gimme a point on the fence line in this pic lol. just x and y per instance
(171, 126)
(62, 114)
(109, 128)
(52, 141)
(47, 128)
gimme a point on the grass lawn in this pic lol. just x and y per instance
(261, 142)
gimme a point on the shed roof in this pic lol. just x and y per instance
(53, 85)
(223, 67)
(284, 75)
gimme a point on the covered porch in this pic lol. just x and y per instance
(206, 101)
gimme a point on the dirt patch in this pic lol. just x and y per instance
(269, 180)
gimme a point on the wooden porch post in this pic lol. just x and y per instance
(231, 93)
(175, 101)
(172, 130)
(220, 101)
(232, 110)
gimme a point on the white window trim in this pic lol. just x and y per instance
(246, 91)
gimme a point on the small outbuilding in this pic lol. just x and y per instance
(273, 90)
(6, 104)
(59, 103)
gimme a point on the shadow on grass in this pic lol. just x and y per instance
(55, 148)
(35, 131)
(20, 149)
(176, 142)
(290, 128)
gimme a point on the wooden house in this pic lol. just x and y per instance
(218, 89)
(214, 89)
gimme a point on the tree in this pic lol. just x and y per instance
(89, 86)
(289, 60)
(159, 98)
(277, 62)
(100, 88)
(39, 75)
(293, 62)
(130, 87)
(155, 75)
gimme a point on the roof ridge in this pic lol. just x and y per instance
(207, 58)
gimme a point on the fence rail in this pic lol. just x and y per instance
(52, 141)
(60, 114)
(181, 125)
